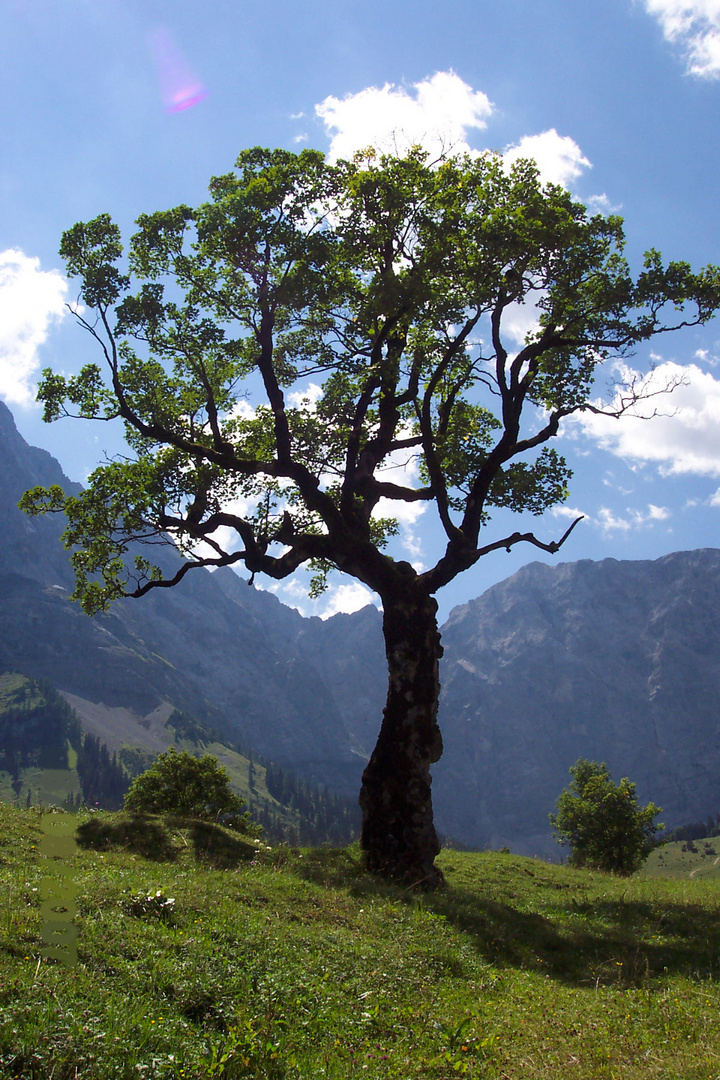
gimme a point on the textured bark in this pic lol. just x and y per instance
(398, 834)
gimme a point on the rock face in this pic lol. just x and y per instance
(612, 661)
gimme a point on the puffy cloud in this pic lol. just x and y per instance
(338, 598)
(305, 398)
(558, 157)
(693, 25)
(635, 519)
(347, 598)
(437, 113)
(519, 320)
(610, 521)
(31, 302)
(684, 437)
(402, 468)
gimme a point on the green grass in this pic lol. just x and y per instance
(296, 964)
(682, 860)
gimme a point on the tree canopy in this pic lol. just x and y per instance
(272, 354)
(601, 822)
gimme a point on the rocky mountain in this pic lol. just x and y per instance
(610, 661)
(613, 661)
(230, 654)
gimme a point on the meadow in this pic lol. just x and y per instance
(199, 954)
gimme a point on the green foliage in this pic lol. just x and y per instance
(103, 780)
(386, 284)
(319, 816)
(151, 905)
(601, 822)
(36, 724)
(187, 786)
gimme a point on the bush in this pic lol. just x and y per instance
(601, 822)
(189, 787)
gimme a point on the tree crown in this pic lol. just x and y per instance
(601, 822)
(178, 783)
(366, 306)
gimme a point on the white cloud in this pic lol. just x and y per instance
(519, 320)
(558, 157)
(694, 26)
(609, 521)
(683, 438)
(305, 398)
(437, 113)
(402, 468)
(636, 519)
(706, 357)
(347, 598)
(338, 598)
(569, 512)
(600, 204)
(31, 302)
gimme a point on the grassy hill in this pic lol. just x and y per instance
(687, 859)
(199, 955)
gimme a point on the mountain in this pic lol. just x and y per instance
(612, 661)
(229, 654)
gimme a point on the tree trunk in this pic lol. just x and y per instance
(398, 835)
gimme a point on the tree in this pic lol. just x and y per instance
(602, 823)
(390, 282)
(185, 785)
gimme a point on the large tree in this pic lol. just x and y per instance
(389, 282)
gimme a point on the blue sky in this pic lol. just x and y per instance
(128, 106)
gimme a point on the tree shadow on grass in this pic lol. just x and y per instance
(614, 946)
(338, 868)
(162, 839)
(621, 943)
(140, 835)
(217, 848)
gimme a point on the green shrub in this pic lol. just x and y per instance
(601, 822)
(178, 783)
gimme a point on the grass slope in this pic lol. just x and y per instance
(289, 964)
(684, 860)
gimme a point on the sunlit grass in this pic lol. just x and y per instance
(296, 964)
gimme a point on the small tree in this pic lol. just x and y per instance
(185, 785)
(602, 823)
(393, 284)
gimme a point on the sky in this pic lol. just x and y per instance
(128, 106)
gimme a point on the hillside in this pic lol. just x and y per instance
(193, 954)
(686, 861)
(47, 759)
